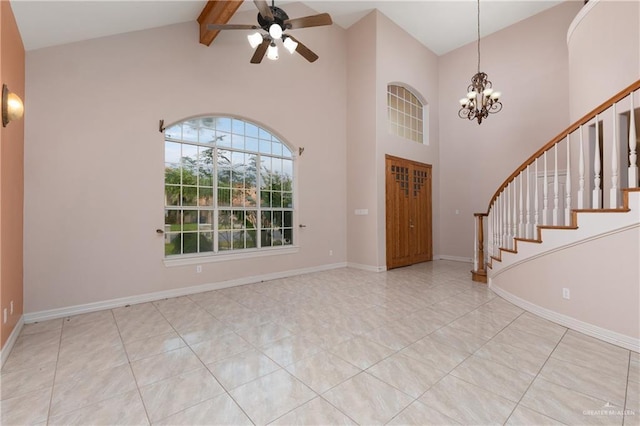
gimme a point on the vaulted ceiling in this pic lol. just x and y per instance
(441, 25)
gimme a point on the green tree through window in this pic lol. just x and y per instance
(228, 187)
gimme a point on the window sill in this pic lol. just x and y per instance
(213, 258)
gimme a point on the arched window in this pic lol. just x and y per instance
(405, 114)
(228, 187)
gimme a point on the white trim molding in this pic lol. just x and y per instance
(370, 268)
(609, 336)
(159, 295)
(6, 349)
(453, 258)
(586, 8)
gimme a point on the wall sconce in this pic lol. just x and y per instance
(12, 106)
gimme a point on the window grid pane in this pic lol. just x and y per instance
(228, 187)
(404, 114)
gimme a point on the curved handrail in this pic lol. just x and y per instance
(573, 127)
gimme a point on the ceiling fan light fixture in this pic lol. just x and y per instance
(275, 31)
(290, 45)
(255, 39)
(272, 52)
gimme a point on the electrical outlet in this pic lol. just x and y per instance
(11, 308)
(198, 268)
(566, 294)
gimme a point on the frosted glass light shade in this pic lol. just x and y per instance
(275, 31)
(12, 106)
(496, 95)
(255, 39)
(272, 52)
(290, 45)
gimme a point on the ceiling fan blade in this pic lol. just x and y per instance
(309, 21)
(264, 9)
(260, 51)
(305, 51)
(214, 27)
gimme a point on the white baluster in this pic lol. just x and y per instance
(581, 173)
(489, 235)
(545, 196)
(613, 192)
(505, 223)
(633, 156)
(521, 232)
(507, 207)
(556, 188)
(514, 211)
(527, 229)
(536, 203)
(567, 202)
(597, 192)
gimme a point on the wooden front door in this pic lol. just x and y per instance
(408, 206)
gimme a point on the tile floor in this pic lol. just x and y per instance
(418, 345)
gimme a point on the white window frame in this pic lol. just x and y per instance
(425, 113)
(222, 255)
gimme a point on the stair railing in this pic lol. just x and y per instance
(545, 190)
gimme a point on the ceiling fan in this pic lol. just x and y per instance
(275, 22)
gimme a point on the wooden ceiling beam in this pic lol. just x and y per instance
(215, 12)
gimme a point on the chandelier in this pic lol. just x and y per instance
(481, 99)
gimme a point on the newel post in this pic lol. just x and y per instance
(479, 272)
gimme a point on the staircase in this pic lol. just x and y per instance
(580, 190)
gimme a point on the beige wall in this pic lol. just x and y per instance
(604, 41)
(601, 276)
(12, 66)
(528, 63)
(416, 66)
(94, 156)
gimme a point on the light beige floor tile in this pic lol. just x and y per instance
(328, 335)
(269, 397)
(442, 357)
(409, 375)
(26, 409)
(315, 412)
(322, 371)
(154, 345)
(38, 327)
(361, 352)
(203, 330)
(264, 334)
(73, 365)
(238, 322)
(170, 396)
(39, 339)
(579, 349)
(395, 336)
(124, 409)
(142, 330)
(164, 365)
(27, 358)
(500, 305)
(219, 410)
(569, 406)
(494, 377)
(95, 317)
(467, 403)
(225, 346)
(242, 368)
(25, 381)
(633, 398)
(523, 416)
(529, 342)
(74, 346)
(90, 332)
(512, 356)
(367, 400)
(588, 381)
(419, 414)
(539, 326)
(634, 368)
(479, 325)
(92, 388)
(290, 349)
(459, 339)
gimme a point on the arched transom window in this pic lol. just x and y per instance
(228, 188)
(405, 113)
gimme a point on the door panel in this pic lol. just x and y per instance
(408, 207)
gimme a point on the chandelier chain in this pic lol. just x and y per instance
(478, 35)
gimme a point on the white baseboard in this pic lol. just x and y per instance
(454, 258)
(6, 350)
(609, 336)
(159, 295)
(369, 268)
